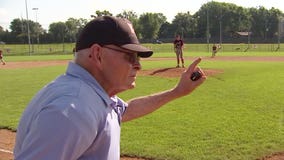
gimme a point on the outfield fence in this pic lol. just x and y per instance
(67, 48)
(241, 47)
(37, 49)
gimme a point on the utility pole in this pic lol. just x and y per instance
(220, 27)
(37, 27)
(207, 27)
(29, 37)
(280, 31)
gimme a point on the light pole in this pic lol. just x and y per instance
(207, 26)
(220, 34)
(28, 26)
(280, 30)
(220, 28)
(37, 27)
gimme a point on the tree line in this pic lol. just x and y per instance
(214, 22)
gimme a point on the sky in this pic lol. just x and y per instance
(48, 11)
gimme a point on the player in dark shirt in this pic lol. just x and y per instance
(215, 49)
(178, 47)
(1, 58)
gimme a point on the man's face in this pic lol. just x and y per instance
(120, 68)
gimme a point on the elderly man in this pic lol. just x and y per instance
(78, 115)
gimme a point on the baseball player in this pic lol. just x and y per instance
(1, 58)
(178, 48)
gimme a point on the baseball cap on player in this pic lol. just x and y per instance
(106, 30)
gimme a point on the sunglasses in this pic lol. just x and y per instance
(130, 56)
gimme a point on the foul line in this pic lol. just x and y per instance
(6, 151)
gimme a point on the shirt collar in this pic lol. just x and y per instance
(76, 70)
(119, 106)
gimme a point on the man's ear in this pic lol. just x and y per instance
(96, 53)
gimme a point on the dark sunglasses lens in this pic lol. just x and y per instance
(134, 58)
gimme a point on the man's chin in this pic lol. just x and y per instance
(132, 86)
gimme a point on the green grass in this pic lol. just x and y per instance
(236, 115)
(18, 86)
(37, 58)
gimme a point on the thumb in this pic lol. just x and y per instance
(193, 65)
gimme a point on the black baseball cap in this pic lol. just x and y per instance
(109, 30)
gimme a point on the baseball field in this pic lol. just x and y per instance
(237, 114)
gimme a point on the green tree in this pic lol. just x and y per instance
(58, 30)
(242, 22)
(19, 30)
(264, 22)
(133, 18)
(73, 26)
(150, 24)
(4, 36)
(130, 15)
(1, 29)
(183, 23)
(166, 31)
(220, 20)
(273, 25)
(37, 31)
(259, 21)
(101, 13)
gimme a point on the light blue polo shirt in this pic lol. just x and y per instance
(71, 118)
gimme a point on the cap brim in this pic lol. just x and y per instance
(141, 50)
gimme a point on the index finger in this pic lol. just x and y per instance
(193, 65)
